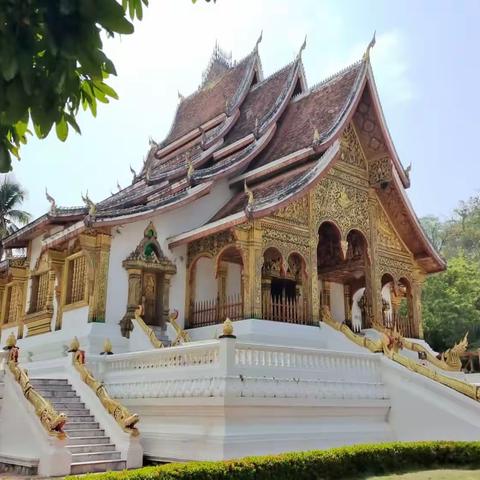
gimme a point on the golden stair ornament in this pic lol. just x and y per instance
(51, 420)
(121, 414)
(389, 345)
(156, 343)
(181, 335)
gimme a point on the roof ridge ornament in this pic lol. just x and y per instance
(134, 173)
(408, 170)
(92, 208)
(190, 170)
(118, 185)
(53, 204)
(249, 194)
(302, 48)
(366, 55)
(259, 39)
(181, 98)
(316, 136)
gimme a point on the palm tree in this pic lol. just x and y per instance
(11, 217)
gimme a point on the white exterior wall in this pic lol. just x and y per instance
(128, 236)
(206, 286)
(337, 302)
(234, 279)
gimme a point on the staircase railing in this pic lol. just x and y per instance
(51, 420)
(390, 344)
(154, 340)
(121, 414)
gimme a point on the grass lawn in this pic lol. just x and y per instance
(434, 475)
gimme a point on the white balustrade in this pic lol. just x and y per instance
(221, 368)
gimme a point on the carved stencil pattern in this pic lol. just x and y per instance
(346, 205)
(296, 212)
(380, 171)
(211, 244)
(350, 150)
(397, 268)
(386, 235)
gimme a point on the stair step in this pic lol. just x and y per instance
(68, 405)
(92, 447)
(98, 466)
(48, 381)
(65, 399)
(52, 388)
(87, 440)
(57, 394)
(94, 456)
(69, 426)
(79, 418)
(86, 432)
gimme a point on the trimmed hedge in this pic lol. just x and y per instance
(337, 463)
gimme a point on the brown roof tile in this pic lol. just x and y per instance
(209, 101)
(319, 109)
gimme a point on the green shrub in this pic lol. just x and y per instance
(334, 464)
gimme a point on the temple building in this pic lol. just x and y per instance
(279, 206)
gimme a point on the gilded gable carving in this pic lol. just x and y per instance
(345, 204)
(350, 149)
(296, 212)
(386, 235)
(211, 244)
(380, 171)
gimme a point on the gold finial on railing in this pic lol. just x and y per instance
(227, 329)
(107, 347)
(74, 345)
(10, 342)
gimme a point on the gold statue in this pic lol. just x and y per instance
(107, 347)
(11, 341)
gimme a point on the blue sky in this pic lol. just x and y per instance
(426, 64)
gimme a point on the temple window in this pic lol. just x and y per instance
(11, 301)
(216, 288)
(283, 298)
(76, 266)
(39, 292)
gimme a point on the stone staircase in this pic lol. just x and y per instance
(92, 451)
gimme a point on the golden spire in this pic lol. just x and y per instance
(249, 194)
(366, 55)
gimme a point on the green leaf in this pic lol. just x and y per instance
(111, 16)
(61, 128)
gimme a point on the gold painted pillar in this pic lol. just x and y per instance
(97, 249)
(416, 296)
(250, 241)
(57, 262)
(373, 285)
(222, 272)
(165, 285)
(134, 299)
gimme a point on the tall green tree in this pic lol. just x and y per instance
(451, 300)
(11, 216)
(52, 63)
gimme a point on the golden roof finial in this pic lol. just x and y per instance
(74, 345)
(92, 208)
(11, 341)
(366, 55)
(248, 193)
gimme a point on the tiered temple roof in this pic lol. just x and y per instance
(275, 135)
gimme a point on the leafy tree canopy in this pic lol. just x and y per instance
(451, 300)
(52, 63)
